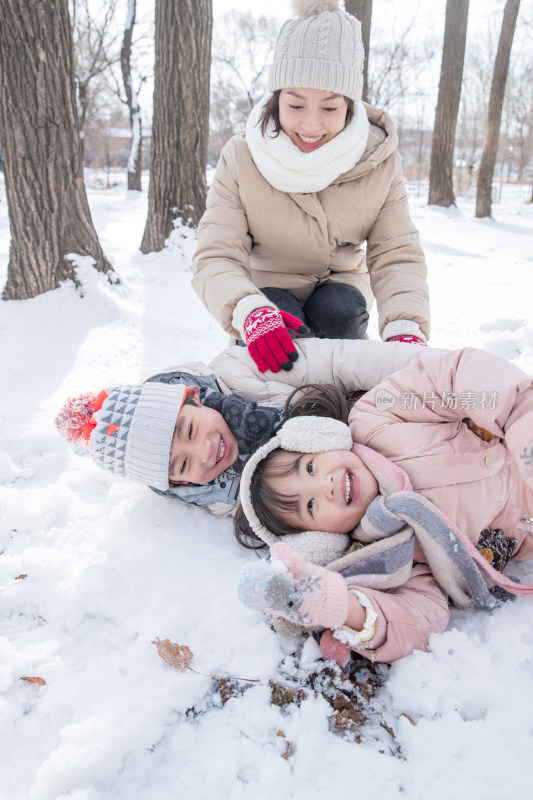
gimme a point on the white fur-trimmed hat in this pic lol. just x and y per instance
(301, 435)
(321, 49)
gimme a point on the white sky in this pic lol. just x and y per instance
(480, 11)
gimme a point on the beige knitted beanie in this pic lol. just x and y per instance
(321, 49)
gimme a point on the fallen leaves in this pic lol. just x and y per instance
(228, 688)
(289, 749)
(350, 695)
(178, 656)
(40, 681)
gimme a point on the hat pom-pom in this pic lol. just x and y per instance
(310, 8)
(75, 415)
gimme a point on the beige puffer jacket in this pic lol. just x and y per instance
(253, 236)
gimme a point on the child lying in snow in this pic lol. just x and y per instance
(187, 431)
(437, 454)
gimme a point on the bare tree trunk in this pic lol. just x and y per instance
(497, 91)
(181, 117)
(48, 210)
(135, 157)
(451, 75)
(362, 10)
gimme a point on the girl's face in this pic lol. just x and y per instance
(333, 490)
(311, 117)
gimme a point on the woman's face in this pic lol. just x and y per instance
(333, 490)
(311, 117)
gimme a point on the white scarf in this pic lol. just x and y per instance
(287, 169)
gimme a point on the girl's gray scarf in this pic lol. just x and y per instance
(394, 521)
(379, 554)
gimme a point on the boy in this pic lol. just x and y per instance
(186, 432)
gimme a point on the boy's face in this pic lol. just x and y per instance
(202, 446)
(333, 489)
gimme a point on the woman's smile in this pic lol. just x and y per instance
(311, 117)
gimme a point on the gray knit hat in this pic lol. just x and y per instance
(322, 49)
(128, 429)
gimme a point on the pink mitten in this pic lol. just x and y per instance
(268, 340)
(306, 595)
(333, 650)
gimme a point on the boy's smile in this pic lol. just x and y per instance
(333, 489)
(202, 446)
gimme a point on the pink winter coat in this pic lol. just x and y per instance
(415, 418)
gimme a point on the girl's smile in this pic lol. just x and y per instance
(332, 490)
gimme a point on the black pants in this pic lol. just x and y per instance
(334, 310)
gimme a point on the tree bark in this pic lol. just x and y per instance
(451, 75)
(362, 10)
(48, 211)
(135, 157)
(497, 90)
(181, 117)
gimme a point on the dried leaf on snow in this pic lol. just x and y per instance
(177, 655)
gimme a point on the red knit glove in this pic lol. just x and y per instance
(407, 337)
(268, 340)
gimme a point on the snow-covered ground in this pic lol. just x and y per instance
(93, 569)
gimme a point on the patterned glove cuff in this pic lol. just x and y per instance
(399, 327)
(244, 308)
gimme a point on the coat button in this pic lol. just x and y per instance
(488, 461)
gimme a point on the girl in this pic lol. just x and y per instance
(438, 463)
(307, 216)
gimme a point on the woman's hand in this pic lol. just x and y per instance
(268, 340)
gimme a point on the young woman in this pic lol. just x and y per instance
(307, 216)
(434, 475)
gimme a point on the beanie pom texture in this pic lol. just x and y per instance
(310, 8)
(75, 415)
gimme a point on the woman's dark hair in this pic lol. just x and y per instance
(271, 112)
(315, 400)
